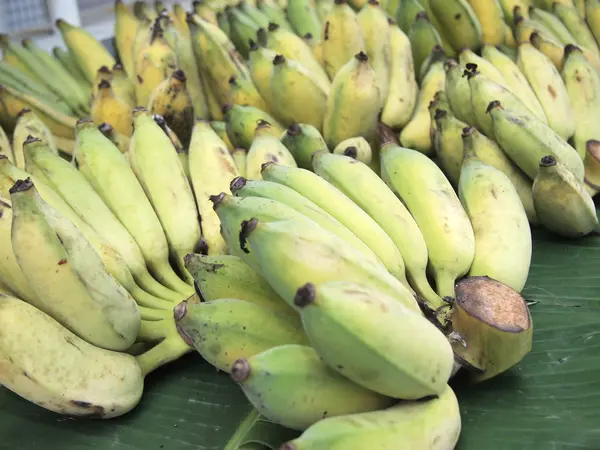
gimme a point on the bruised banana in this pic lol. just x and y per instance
(29, 124)
(302, 140)
(224, 330)
(290, 385)
(266, 147)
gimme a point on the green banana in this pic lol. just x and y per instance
(29, 124)
(122, 142)
(458, 22)
(109, 173)
(526, 140)
(552, 23)
(502, 233)
(290, 385)
(562, 203)
(488, 152)
(224, 330)
(274, 13)
(303, 17)
(67, 276)
(354, 103)
(302, 140)
(471, 61)
(244, 92)
(423, 38)
(68, 62)
(407, 12)
(448, 143)
(358, 148)
(431, 200)
(159, 171)
(240, 156)
(223, 22)
(363, 352)
(243, 29)
(228, 276)
(260, 62)
(242, 122)
(577, 26)
(252, 10)
(369, 192)
(266, 147)
(298, 97)
(457, 88)
(431, 424)
(342, 208)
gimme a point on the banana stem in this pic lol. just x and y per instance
(445, 285)
(172, 348)
(151, 314)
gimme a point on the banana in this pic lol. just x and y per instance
(303, 17)
(126, 27)
(553, 50)
(373, 22)
(29, 124)
(428, 424)
(423, 38)
(456, 87)
(354, 103)
(274, 13)
(244, 92)
(362, 351)
(240, 157)
(358, 148)
(266, 147)
(446, 45)
(223, 23)
(303, 140)
(242, 29)
(228, 276)
(103, 74)
(489, 153)
(526, 140)
(291, 251)
(502, 234)
(260, 62)
(123, 87)
(109, 173)
(440, 101)
(562, 204)
(471, 61)
(107, 107)
(242, 122)
(448, 143)
(406, 14)
(552, 23)
(243, 188)
(592, 167)
(158, 168)
(403, 89)
(582, 84)
(68, 62)
(211, 170)
(88, 52)
(206, 12)
(342, 37)
(144, 10)
(224, 330)
(592, 18)
(416, 134)
(577, 26)
(34, 347)
(298, 97)
(290, 385)
(122, 142)
(458, 22)
(549, 88)
(171, 100)
(67, 276)
(491, 18)
(431, 200)
(221, 129)
(508, 7)
(525, 27)
(342, 208)
(369, 192)
(256, 14)
(5, 147)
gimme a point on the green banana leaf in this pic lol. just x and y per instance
(550, 401)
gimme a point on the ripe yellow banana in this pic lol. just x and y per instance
(508, 7)
(490, 16)
(290, 385)
(526, 141)
(29, 124)
(458, 22)
(260, 62)
(107, 107)
(426, 424)
(431, 200)
(67, 276)
(124, 88)
(224, 330)
(448, 143)
(502, 233)
(266, 147)
(342, 208)
(562, 203)
(302, 140)
(423, 37)
(349, 326)
(354, 103)
(126, 27)
(242, 122)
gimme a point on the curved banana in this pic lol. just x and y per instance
(592, 18)
(471, 61)
(552, 23)
(29, 124)
(126, 27)
(406, 14)
(107, 107)
(122, 142)
(266, 147)
(242, 122)
(274, 13)
(260, 62)
(456, 87)
(458, 22)
(303, 140)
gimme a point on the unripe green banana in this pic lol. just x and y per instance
(448, 143)
(552, 23)
(342, 37)
(526, 141)
(224, 330)
(407, 13)
(373, 22)
(354, 103)
(298, 97)
(457, 89)
(562, 203)
(416, 134)
(576, 25)
(524, 27)
(241, 187)
(488, 151)
(274, 13)
(431, 200)
(304, 18)
(343, 209)
(582, 83)
(403, 89)
(423, 39)
(430, 424)
(102, 163)
(242, 122)
(228, 276)
(266, 147)
(243, 28)
(358, 148)
(302, 140)
(549, 88)
(502, 233)
(211, 170)
(349, 326)
(471, 61)
(290, 385)
(458, 22)
(29, 124)
(67, 276)
(223, 22)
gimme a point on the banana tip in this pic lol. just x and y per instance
(273, 26)
(179, 75)
(237, 183)
(468, 131)
(548, 161)
(279, 59)
(440, 114)
(492, 105)
(21, 186)
(351, 152)
(30, 139)
(294, 129)
(240, 370)
(226, 108)
(23, 112)
(104, 69)
(305, 295)
(217, 200)
(265, 165)
(362, 56)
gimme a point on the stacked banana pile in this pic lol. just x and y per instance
(251, 179)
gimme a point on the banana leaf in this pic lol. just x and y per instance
(550, 401)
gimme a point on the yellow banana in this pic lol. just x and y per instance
(29, 124)
(124, 88)
(260, 61)
(358, 148)
(490, 16)
(243, 92)
(508, 7)
(126, 27)
(107, 107)
(266, 147)
(458, 22)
